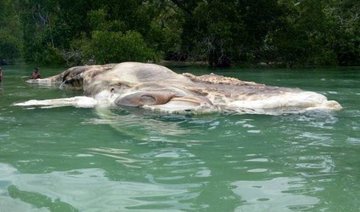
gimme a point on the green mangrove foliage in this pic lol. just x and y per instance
(221, 33)
(10, 32)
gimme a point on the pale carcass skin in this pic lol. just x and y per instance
(157, 88)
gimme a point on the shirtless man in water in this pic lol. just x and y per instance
(1, 74)
(36, 74)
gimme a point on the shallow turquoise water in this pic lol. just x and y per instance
(69, 159)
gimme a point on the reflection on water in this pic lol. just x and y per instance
(119, 155)
(139, 126)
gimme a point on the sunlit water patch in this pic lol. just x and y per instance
(86, 190)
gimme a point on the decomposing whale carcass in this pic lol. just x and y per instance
(157, 88)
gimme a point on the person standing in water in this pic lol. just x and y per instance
(1, 74)
(36, 74)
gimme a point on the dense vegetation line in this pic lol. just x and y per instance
(220, 33)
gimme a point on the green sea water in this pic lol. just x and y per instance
(72, 159)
